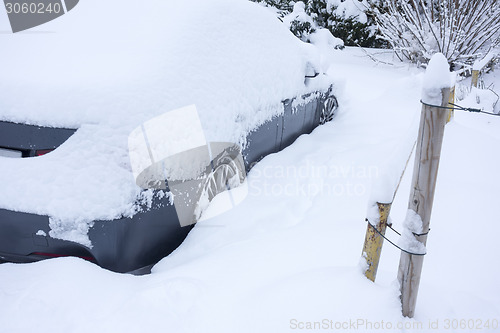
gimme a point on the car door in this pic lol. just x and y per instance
(300, 117)
(263, 141)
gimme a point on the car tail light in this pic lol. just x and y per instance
(42, 152)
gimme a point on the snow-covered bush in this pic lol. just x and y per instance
(283, 6)
(462, 30)
(303, 26)
(346, 19)
(299, 22)
(353, 32)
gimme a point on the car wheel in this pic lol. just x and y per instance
(328, 109)
(227, 172)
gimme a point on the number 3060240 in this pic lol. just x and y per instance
(33, 8)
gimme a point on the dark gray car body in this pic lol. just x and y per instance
(134, 244)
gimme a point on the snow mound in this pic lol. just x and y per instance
(437, 76)
(412, 226)
(483, 99)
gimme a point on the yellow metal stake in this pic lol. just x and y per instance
(475, 78)
(373, 241)
(451, 114)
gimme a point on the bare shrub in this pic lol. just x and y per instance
(463, 30)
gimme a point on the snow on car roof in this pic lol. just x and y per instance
(107, 66)
(107, 59)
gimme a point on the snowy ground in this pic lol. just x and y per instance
(288, 255)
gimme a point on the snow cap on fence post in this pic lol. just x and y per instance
(437, 76)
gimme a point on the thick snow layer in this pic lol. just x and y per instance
(289, 253)
(148, 62)
(437, 77)
(108, 66)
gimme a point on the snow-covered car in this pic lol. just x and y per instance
(72, 94)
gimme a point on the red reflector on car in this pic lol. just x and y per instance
(42, 152)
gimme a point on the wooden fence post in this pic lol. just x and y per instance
(429, 142)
